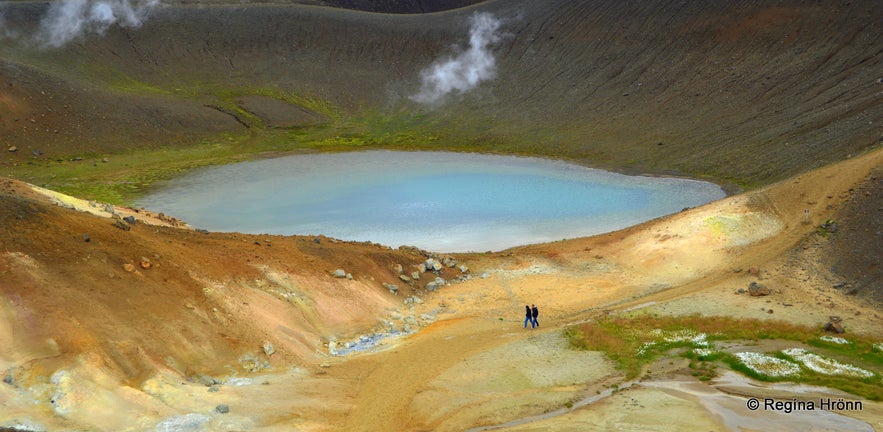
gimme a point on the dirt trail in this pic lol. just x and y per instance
(393, 378)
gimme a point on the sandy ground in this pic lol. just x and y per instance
(473, 366)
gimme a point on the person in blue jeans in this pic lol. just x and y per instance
(528, 316)
(534, 314)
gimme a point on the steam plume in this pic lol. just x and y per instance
(467, 69)
(68, 19)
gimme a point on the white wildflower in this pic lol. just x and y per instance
(823, 365)
(703, 352)
(834, 339)
(689, 336)
(768, 365)
(646, 346)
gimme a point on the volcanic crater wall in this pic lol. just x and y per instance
(747, 91)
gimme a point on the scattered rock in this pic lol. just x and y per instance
(464, 269)
(834, 325)
(208, 380)
(405, 279)
(740, 291)
(222, 409)
(269, 349)
(398, 269)
(758, 290)
(121, 224)
(87, 238)
(145, 263)
(214, 389)
(436, 284)
(415, 275)
(317, 240)
(839, 285)
(13, 149)
(339, 273)
(129, 220)
(753, 271)
(129, 267)
(392, 288)
(433, 264)
(830, 226)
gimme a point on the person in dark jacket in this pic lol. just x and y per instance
(534, 312)
(528, 317)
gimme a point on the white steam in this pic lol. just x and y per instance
(466, 70)
(68, 19)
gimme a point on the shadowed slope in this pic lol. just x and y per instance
(742, 92)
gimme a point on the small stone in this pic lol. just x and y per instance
(87, 238)
(130, 220)
(129, 267)
(349, 276)
(145, 263)
(268, 348)
(121, 224)
(393, 289)
(758, 290)
(398, 269)
(415, 275)
(222, 409)
(214, 389)
(13, 149)
(208, 380)
(404, 278)
(339, 273)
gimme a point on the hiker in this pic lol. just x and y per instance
(528, 317)
(534, 314)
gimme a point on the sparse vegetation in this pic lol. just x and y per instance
(633, 342)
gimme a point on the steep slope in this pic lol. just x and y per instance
(170, 298)
(746, 92)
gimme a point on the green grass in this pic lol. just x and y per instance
(633, 342)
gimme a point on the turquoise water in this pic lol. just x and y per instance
(440, 201)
